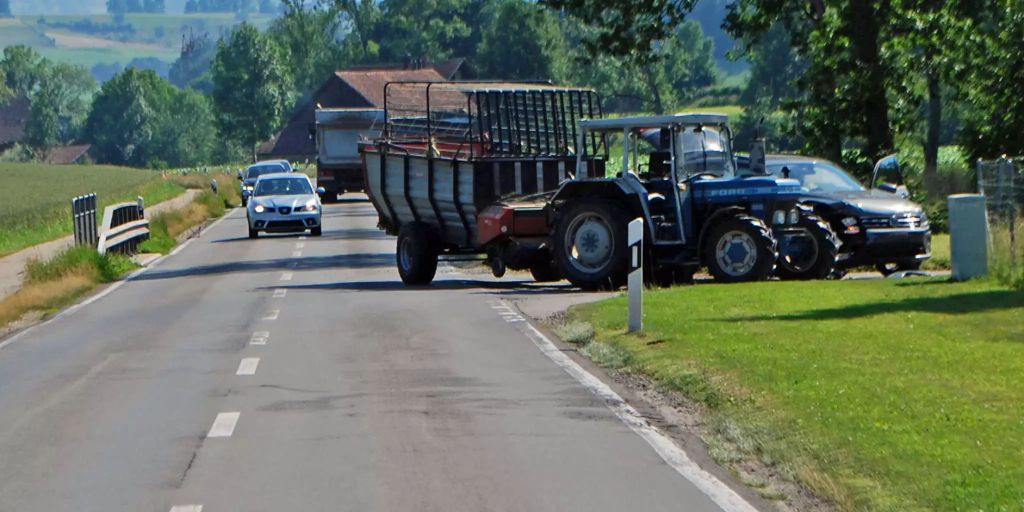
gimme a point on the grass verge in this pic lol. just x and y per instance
(165, 228)
(55, 283)
(879, 395)
(35, 199)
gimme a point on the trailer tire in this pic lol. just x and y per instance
(545, 272)
(740, 233)
(826, 251)
(416, 255)
(601, 226)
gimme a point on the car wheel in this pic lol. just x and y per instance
(809, 256)
(590, 245)
(317, 231)
(416, 255)
(740, 248)
(253, 233)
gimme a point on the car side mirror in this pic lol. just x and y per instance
(321, 190)
(887, 172)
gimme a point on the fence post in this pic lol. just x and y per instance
(635, 239)
(980, 172)
(968, 236)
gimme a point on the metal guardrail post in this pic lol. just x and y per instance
(635, 239)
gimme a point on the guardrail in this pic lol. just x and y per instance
(83, 215)
(124, 228)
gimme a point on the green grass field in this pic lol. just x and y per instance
(13, 31)
(35, 199)
(161, 29)
(881, 395)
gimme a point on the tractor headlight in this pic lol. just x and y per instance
(794, 216)
(779, 218)
(259, 208)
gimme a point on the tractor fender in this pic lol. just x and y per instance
(714, 219)
(627, 191)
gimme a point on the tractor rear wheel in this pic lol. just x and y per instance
(740, 248)
(590, 245)
(416, 255)
(811, 256)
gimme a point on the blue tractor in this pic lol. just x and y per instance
(678, 173)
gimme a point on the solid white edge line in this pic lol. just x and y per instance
(224, 424)
(110, 289)
(723, 495)
(187, 508)
(248, 366)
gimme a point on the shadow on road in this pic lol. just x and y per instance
(356, 261)
(958, 304)
(509, 287)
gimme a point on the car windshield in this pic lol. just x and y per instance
(817, 176)
(259, 170)
(283, 187)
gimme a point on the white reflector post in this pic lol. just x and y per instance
(968, 236)
(636, 274)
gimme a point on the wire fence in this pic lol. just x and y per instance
(1001, 181)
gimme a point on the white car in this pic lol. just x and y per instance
(284, 203)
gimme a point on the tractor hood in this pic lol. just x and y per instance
(730, 188)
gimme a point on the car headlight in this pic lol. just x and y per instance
(259, 208)
(850, 223)
(249, 187)
(310, 206)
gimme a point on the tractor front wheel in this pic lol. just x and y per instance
(590, 245)
(740, 248)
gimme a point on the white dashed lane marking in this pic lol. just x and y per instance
(259, 338)
(187, 508)
(286, 276)
(248, 366)
(300, 245)
(272, 314)
(303, 237)
(296, 254)
(224, 424)
(280, 293)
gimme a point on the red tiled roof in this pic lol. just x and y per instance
(370, 83)
(66, 154)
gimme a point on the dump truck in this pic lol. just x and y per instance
(517, 173)
(338, 132)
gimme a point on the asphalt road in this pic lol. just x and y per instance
(298, 374)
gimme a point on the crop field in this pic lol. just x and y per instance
(159, 29)
(880, 395)
(35, 199)
(13, 31)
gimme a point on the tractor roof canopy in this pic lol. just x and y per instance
(642, 122)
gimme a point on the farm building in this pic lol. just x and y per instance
(14, 116)
(352, 88)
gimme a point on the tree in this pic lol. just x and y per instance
(362, 16)
(192, 69)
(268, 7)
(154, 6)
(309, 35)
(22, 69)
(626, 29)
(187, 133)
(522, 41)
(250, 86)
(43, 128)
(125, 117)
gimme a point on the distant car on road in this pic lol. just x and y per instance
(249, 176)
(879, 227)
(284, 203)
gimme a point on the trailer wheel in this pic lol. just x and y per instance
(740, 248)
(416, 255)
(812, 256)
(590, 245)
(545, 272)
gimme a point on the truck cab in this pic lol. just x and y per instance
(339, 131)
(678, 173)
